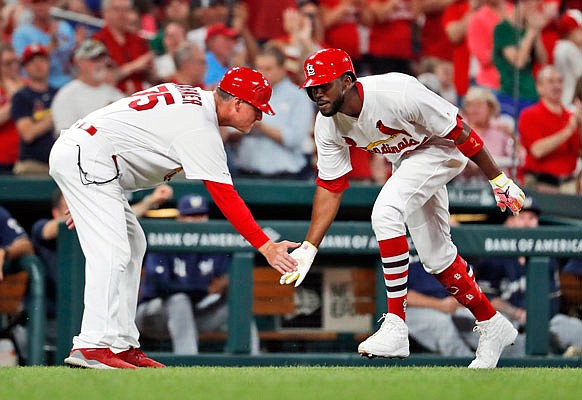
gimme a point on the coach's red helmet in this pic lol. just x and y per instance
(326, 65)
(249, 85)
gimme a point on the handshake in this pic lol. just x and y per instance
(304, 256)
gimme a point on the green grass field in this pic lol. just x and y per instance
(296, 383)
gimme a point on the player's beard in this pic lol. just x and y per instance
(334, 107)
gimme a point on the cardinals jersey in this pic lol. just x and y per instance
(159, 132)
(398, 115)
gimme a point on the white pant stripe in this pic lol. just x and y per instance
(395, 270)
(396, 282)
(393, 295)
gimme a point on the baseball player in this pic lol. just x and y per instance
(423, 136)
(139, 142)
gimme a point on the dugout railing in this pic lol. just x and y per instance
(344, 238)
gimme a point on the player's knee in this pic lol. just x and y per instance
(387, 220)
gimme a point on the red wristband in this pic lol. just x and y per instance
(472, 145)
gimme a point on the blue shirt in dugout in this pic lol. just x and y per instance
(504, 277)
(10, 229)
(421, 281)
(166, 274)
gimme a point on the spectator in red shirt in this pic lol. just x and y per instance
(266, 18)
(10, 83)
(391, 48)
(434, 41)
(340, 20)
(455, 22)
(130, 52)
(303, 36)
(551, 135)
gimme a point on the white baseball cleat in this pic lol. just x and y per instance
(496, 334)
(390, 341)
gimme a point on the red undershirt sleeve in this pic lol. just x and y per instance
(337, 185)
(236, 212)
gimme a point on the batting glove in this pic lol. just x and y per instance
(304, 256)
(507, 194)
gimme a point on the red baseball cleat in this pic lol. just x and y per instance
(96, 359)
(139, 359)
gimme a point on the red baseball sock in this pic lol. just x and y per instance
(394, 253)
(460, 282)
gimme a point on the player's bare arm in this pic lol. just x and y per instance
(325, 207)
(326, 203)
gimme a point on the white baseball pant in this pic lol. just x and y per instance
(111, 239)
(416, 195)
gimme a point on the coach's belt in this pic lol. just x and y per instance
(87, 127)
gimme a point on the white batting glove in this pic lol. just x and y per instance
(507, 194)
(304, 256)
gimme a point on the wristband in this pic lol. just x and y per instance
(500, 180)
(472, 145)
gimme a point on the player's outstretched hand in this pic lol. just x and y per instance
(507, 194)
(304, 256)
(278, 257)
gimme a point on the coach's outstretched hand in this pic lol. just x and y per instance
(507, 194)
(304, 256)
(278, 257)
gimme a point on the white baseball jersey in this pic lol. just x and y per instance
(399, 114)
(159, 132)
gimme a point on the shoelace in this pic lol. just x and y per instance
(384, 326)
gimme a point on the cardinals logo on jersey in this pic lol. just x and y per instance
(168, 177)
(386, 130)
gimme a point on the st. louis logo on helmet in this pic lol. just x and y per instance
(310, 70)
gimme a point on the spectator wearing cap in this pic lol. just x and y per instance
(220, 44)
(503, 280)
(30, 111)
(10, 83)
(88, 91)
(550, 133)
(190, 63)
(130, 53)
(56, 36)
(568, 52)
(183, 295)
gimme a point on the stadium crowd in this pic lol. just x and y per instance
(514, 68)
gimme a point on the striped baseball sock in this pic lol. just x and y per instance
(394, 253)
(459, 280)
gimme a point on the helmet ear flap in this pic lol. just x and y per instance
(309, 91)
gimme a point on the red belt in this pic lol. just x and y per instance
(90, 129)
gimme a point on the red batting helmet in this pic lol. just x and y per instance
(249, 85)
(326, 65)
